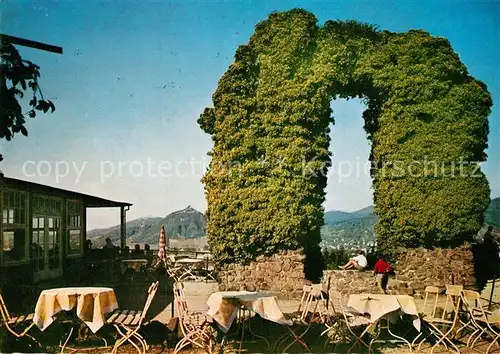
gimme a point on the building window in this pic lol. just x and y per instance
(14, 235)
(14, 245)
(75, 221)
(74, 240)
(14, 208)
(46, 205)
(38, 243)
(74, 226)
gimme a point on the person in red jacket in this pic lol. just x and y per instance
(381, 271)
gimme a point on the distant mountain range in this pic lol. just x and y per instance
(340, 226)
(344, 228)
(357, 227)
(181, 224)
(334, 216)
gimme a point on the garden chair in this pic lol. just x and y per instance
(128, 323)
(440, 327)
(173, 271)
(195, 327)
(12, 322)
(344, 324)
(299, 318)
(315, 302)
(483, 321)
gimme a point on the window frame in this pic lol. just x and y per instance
(16, 226)
(45, 213)
(70, 227)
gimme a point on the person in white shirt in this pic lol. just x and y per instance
(358, 262)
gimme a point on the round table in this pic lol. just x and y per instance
(92, 304)
(224, 307)
(189, 261)
(188, 265)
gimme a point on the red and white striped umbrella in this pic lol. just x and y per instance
(162, 254)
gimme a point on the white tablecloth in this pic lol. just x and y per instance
(189, 261)
(378, 306)
(91, 305)
(223, 307)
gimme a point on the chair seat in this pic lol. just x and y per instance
(490, 318)
(295, 317)
(430, 319)
(356, 321)
(125, 317)
(196, 319)
(21, 319)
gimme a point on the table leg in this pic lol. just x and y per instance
(388, 328)
(256, 335)
(80, 337)
(242, 332)
(398, 337)
(67, 340)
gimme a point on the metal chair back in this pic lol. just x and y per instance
(3, 310)
(180, 299)
(430, 291)
(151, 294)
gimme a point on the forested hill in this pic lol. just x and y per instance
(357, 227)
(181, 224)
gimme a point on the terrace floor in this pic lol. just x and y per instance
(131, 294)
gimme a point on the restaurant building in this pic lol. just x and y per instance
(43, 229)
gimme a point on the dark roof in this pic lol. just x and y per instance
(88, 200)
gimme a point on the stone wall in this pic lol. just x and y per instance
(283, 273)
(420, 267)
(415, 269)
(349, 282)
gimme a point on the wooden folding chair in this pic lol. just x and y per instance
(339, 320)
(310, 295)
(483, 321)
(173, 271)
(11, 322)
(128, 323)
(441, 327)
(427, 311)
(195, 327)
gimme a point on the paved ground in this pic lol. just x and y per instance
(197, 295)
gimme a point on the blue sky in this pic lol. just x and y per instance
(135, 76)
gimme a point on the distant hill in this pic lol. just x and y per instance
(492, 214)
(349, 228)
(185, 223)
(357, 227)
(340, 226)
(334, 216)
(181, 224)
(135, 228)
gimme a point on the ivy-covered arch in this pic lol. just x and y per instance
(426, 118)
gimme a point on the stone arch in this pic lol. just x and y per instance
(425, 116)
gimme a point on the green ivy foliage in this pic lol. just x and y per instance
(270, 127)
